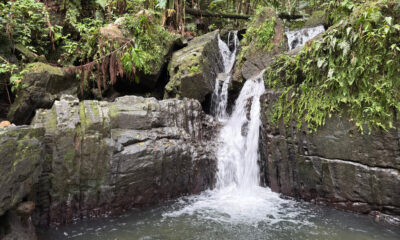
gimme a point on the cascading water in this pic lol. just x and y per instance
(238, 196)
(238, 151)
(220, 96)
(298, 38)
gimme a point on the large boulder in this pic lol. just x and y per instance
(106, 157)
(42, 85)
(193, 69)
(337, 164)
(258, 57)
(22, 153)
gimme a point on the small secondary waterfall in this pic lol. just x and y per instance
(299, 37)
(220, 96)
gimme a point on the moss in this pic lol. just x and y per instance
(260, 31)
(51, 121)
(317, 18)
(195, 69)
(40, 67)
(82, 114)
(95, 108)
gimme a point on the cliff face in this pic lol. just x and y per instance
(89, 159)
(106, 157)
(336, 165)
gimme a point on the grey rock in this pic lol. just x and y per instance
(194, 68)
(22, 152)
(104, 157)
(43, 84)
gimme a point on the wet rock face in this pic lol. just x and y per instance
(194, 68)
(336, 164)
(106, 157)
(21, 151)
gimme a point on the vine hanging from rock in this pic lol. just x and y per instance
(106, 66)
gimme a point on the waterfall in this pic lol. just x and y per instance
(298, 38)
(238, 151)
(219, 99)
(238, 196)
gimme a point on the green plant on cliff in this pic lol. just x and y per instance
(27, 23)
(261, 34)
(15, 76)
(149, 43)
(354, 70)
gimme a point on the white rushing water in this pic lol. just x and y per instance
(238, 196)
(298, 38)
(219, 99)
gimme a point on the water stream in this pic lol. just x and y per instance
(219, 99)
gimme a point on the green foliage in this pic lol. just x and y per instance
(150, 41)
(86, 47)
(260, 34)
(12, 69)
(25, 22)
(263, 34)
(194, 69)
(354, 70)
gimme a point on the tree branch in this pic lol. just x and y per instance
(204, 13)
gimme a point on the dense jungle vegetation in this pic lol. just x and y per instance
(352, 69)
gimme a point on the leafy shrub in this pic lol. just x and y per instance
(25, 21)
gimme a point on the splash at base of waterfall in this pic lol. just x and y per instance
(241, 206)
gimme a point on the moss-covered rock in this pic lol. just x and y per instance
(42, 84)
(317, 18)
(28, 55)
(194, 68)
(265, 38)
(22, 152)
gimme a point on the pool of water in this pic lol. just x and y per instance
(214, 215)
